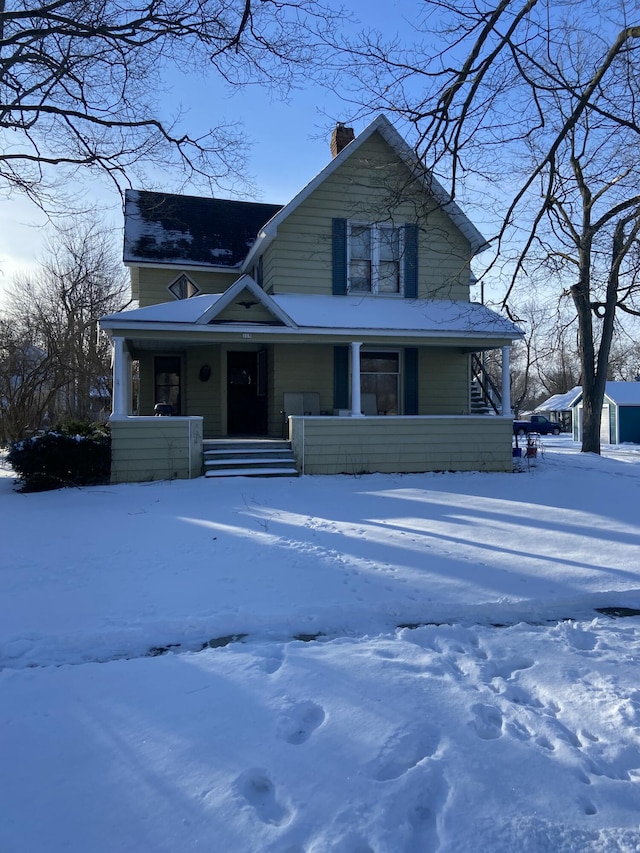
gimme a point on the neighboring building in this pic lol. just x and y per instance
(560, 407)
(620, 414)
(347, 309)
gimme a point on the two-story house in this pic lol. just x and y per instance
(342, 320)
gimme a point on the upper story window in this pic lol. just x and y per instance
(375, 253)
(183, 287)
(374, 258)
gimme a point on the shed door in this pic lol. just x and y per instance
(605, 425)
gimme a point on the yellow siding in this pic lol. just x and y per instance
(371, 186)
(134, 275)
(152, 282)
(402, 445)
(299, 368)
(145, 449)
(248, 313)
(145, 400)
(444, 382)
(205, 398)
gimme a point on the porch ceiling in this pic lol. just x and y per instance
(154, 342)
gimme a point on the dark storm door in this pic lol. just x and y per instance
(246, 393)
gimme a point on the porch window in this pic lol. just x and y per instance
(379, 375)
(374, 258)
(167, 381)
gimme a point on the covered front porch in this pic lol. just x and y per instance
(363, 397)
(335, 429)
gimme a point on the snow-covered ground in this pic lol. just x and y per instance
(461, 691)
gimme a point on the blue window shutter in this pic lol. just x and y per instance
(411, 381)
(339, 246)
(341, 377)
(411, 261)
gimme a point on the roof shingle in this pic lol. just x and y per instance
(189, 230)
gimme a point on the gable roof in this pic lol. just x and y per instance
(560, 402)
(383, 126)
(190, 231)
(623, 393)
(620, 393)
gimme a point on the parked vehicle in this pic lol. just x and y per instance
(537, 423)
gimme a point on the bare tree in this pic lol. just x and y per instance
(57, 310)
(534, 105)
(25, 392)
(79, 82)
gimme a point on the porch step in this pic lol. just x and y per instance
(248, 458)
(479, 405)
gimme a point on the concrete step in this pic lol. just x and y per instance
(251, 472)
(248, 458)
(250, 462)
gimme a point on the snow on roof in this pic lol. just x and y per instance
(180, 311)
(621, 393)
(379, 312)
(315, 311)
(180, 229)
(624, 393)
(560, 402)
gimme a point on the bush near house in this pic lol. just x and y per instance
(72, 454)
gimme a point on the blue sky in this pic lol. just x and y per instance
(289, 141)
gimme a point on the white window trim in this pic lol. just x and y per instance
(376, 228)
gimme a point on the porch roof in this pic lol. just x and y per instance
(304, 314)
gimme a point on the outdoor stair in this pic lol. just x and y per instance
(479, 405)
(248, 458)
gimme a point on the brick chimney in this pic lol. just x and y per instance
(340, 138)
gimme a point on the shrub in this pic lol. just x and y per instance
(74, 454)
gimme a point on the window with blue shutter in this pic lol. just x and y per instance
(339, 244)
(411, 261)
(341, 378)
(376, 258)
(411, 381)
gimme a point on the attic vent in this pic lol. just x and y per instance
(183, 287)
(340, 138)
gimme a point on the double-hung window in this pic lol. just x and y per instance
(374, 258)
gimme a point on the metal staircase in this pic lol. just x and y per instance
(226, 457)
(486, 398)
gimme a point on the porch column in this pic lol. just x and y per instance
(506, 382)
(121, 396)
(356, 404)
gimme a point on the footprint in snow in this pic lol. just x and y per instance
(257, 789)
(403, 751)
(300, 721)
(487, 721)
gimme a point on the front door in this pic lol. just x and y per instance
(246, 393)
